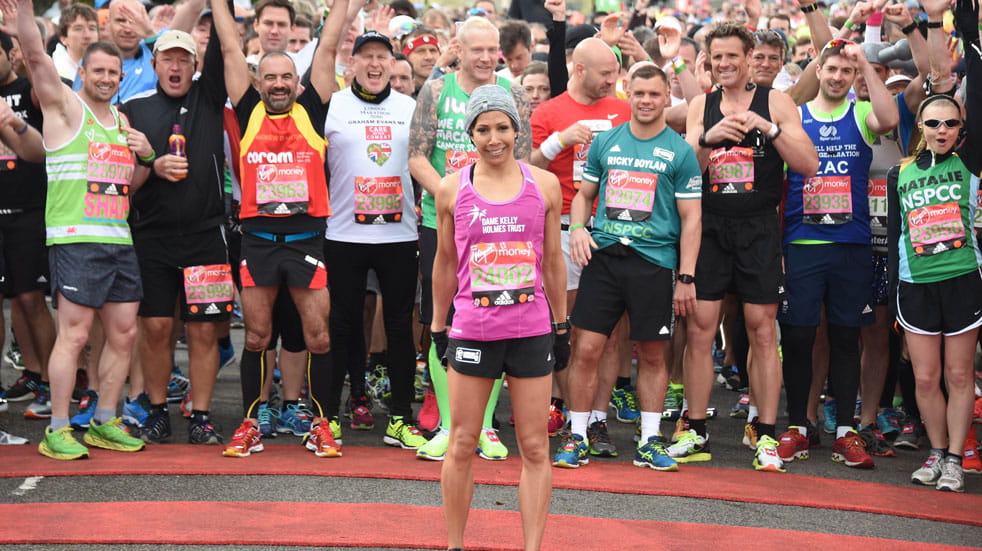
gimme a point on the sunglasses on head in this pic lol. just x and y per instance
(935, 123)
(837, 43)
(477, 11)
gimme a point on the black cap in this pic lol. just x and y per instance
(371, 36)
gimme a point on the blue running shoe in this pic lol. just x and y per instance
(572, 453)
(828, 409)
(177, 386)
(86, 409)
(888, 421)
(653, 455)
(226, 355)
(268, 420)
(625, 404)
(294, 419)
(135, 412)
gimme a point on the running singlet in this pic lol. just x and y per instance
(640, 181)
(452, 149)
(744, 179)
(22, 184)
(281, 163)
(89, 183)
(833, 205)
(561, 112)
(499, 264)
(370, 188)
(937, 207)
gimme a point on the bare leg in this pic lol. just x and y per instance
(874, 361)
(766, 376)
(531, 399)
(698, 371)
(120, 323)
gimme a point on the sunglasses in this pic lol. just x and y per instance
(935, 123)
(837, 43)
(477, 11)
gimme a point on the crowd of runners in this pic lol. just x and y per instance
(610, 212)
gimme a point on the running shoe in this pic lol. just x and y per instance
(600, 442)
(335, 425)
(268, 420)
(929, 473)
(952, 477)
(690, 448)
(888, 422)
(489, 446)
(135, 412)
(81, 385)
(828, 409)
(13, 357)
(226, 355)
(876, 444)
(403, 433)
(911, 431)
(750, 434)
(361, 413)
(294, 419)
(60, 444)
(24, 388)
(572, 453)
(320, 440)
(851, 450)
(653, 455)
(421, 381)
(977, 411)
(436, 448)
(202, 431)
(236, 321)
(792, 446)
(245, 441)
(624, 401)
(177, 386)
(970, 457)
(40, 408)
(766, 457)
(729, 378)
(429, 414)
(741, 409)
(8, 439)
(637, 433)
(557, 418)
(112, 435)
(681, 426)
(673, 397)
(377, 383)
(187, 406)
(718, 357)
(156, 428)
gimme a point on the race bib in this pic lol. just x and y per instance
(457, 160)
(502, 273)
(731, 170)
(878, 201)
(977, 221)
(580, 150)
(629, 195)
(827, 200)
(281, 189)
(109, 169)
(935, 229)
(378, 199)
(8, 159)
(208, 290)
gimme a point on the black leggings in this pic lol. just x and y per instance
(797, 343)
(253, 372)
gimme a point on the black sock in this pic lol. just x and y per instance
(33, 376)
(622, 382)
(290, 403)
(765, 430)
(376, 358)
(199, 414)
(698, 425)
(558, 402)
(956, 457)
(158, 407)
(225, 342)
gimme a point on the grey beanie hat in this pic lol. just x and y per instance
(490, 97)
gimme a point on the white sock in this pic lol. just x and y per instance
(842, 431)
(803, 430)
(578, 421)
(650, 426)
(753, 413)
(597, 415)
(685, 404)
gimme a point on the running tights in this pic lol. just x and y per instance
(797, 343)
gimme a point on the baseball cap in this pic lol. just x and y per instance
(898, 78)
(668, 22)
(371, 36)
(401, 25)
(175, 39)
(579, 33)
(490, 97)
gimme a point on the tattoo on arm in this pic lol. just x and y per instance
(523, 145)
(422, 132)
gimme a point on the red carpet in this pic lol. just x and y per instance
(385, 525)
(690, 481)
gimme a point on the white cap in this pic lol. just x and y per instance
(898, 78)
(668, 22)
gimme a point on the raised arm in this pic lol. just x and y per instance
(51, 93)
(558, 73)
(322, 66)
(884, 116)
(186, 15)
(237, 77)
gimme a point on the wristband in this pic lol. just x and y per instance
(576, 227)
(909, 28)
(22, 130)
(934, 24)
(809, 8)
(751, 29)
(551, 147)
(148, 160)
(848, 24)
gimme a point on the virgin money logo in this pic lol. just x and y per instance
(458, 159)
(484, 254)
(100, 151)
(266, 173)
(617, 178)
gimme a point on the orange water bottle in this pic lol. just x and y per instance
(177, 144)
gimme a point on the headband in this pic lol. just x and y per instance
(420, 41)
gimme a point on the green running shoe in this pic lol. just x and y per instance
(436, 448)
(112, 436)
(490, 447)
(60, 444)
(403, 434)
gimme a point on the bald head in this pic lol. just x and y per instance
(593, 50)
(595, 70)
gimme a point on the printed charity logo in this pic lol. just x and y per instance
(378, 153)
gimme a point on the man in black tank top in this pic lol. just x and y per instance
(742, 135)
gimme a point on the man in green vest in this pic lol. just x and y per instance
(91, 163)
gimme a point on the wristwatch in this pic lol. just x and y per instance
(560, 326)
(687, 278)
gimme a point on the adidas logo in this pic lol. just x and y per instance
(874, 222)
(867, 309)
(282, 209)
(504, 299)
(616, 148)
(940, 248)
(379, 220)
(624, 215)
(664, 330)
(730, 188)
(212, 309)
(827, 219)
(111, 190)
